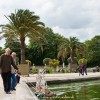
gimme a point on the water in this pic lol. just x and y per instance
(77, 91)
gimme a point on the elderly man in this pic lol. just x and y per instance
(6, 61)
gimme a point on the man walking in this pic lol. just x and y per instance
(6, 61)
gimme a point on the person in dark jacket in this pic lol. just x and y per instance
(6, 61)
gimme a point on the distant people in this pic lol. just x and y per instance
(6, 61)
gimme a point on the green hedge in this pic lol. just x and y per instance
(34, 70)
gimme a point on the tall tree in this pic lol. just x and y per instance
(62, 53)
(22, 24)
(75, 48)
(93, 48)
(2, 50)
(71, 47)
(50, 49)
(73, 44)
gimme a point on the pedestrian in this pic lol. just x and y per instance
(6, 61)
(16, 74)
(84, 69)
(13, 73)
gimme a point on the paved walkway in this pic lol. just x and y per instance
(24, 93)
(64, 76)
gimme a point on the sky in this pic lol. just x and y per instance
(79, 18)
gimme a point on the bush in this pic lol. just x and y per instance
(34, 70)
(28, 62)
(67, 69)
(46, 61)
(49, 70)
(81, 61)
(54, 62)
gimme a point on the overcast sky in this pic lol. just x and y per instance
(80, 18)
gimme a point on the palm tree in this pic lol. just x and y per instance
(62, 53)
(73, 44)
(22, 24)
(71, 47)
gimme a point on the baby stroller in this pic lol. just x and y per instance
(80, 71)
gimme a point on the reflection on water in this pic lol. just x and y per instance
(77, 91)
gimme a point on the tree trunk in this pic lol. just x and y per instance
(63, 65)
(22, 39)
(73, 65)
(72, 56)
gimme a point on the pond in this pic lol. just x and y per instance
(77, 91)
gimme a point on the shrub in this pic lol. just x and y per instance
(46, 61)
(28, 62)
(67, 69)
(81, 61)
(34, 70)
(54, 62)
(49, 70)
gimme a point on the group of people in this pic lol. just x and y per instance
(9, 71)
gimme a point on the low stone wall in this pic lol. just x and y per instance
(68, 80)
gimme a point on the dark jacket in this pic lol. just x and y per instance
(5, 63)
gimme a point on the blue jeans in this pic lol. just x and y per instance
(84, 70)
(13, 81)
